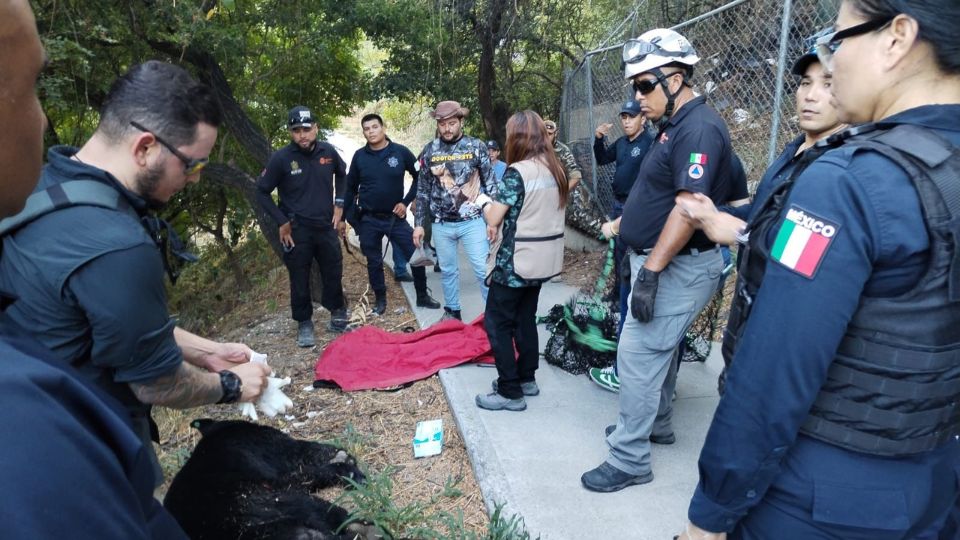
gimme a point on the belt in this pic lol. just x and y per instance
(695, 251)
(454, 220)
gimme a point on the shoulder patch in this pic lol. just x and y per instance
(802, 241)
(695, 171)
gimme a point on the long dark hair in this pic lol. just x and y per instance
(527, 138)
(938, 21)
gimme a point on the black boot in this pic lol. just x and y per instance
(338, 320)
(381, 304)
(426, 301)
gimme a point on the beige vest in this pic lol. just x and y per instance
(538, 243)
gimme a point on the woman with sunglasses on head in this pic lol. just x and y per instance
(525, 225)
(839, 416)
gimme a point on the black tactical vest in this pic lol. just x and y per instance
(893, 385)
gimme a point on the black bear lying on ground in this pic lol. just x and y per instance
(247, 481)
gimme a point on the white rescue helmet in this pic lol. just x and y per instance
(654, 49)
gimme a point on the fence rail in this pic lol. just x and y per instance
(746, 48)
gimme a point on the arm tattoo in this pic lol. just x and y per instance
(187, 387)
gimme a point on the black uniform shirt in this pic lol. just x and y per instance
(305, 180)
(377, 177)
(692, 153)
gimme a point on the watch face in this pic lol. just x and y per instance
(231, 385)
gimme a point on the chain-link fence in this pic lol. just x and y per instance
(746, 47)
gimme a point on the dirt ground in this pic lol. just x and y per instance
(382, 422)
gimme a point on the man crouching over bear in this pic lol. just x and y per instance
(247, 481)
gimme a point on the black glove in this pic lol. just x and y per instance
(644, 294)
(625, 269)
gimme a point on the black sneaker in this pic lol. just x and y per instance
(305, 334)
(606, 479)
(403, 278)
(450, 314)
(424, 300)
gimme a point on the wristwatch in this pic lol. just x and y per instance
(231, 385)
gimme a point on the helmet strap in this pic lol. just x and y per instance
(671, 96)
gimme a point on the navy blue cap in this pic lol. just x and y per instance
(809, 55)
(300, 116)
(493, 145)
(630, 107)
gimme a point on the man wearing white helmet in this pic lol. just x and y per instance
(674, 268)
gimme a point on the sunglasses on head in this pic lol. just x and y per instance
(191, 166)
(826, 46)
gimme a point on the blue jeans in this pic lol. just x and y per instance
(446, 236)
(399, 261)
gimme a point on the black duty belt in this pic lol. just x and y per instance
(695, 251)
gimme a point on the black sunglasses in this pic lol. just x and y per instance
(645, 86)
(191, 166)
(827, 45)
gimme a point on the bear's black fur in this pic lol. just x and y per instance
(247, 481)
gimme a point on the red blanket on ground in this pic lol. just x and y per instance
(370, 357)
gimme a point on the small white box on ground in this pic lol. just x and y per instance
(428, 440)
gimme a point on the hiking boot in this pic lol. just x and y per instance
(450, 314)
(606, 479)
(426, 301)
(528, 388)
(605, 378)
(381, 305)
(495, 402)
(305, 333)
(338, 320)
(669, 438)
(403, 278)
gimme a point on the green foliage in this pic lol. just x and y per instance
(373, 503)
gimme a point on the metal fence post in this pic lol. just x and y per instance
(589, 72)
(778, 91)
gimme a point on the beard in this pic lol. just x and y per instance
(146, 184)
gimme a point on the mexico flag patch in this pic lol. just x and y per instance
(803, 240)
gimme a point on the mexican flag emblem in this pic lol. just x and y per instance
(803, 240)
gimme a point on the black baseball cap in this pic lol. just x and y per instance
(630, 107)
(493, 145)
(300, 116)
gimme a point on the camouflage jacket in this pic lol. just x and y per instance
(450, 178)
(565, 155)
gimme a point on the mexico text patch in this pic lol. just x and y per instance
(803, 241)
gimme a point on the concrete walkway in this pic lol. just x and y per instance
(532, 461)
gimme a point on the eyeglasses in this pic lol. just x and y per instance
(645, 86)
(191, 166)
(827, 45)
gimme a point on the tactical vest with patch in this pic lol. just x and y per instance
(893, 385)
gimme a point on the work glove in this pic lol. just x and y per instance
(643, 294)
(625, 269)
